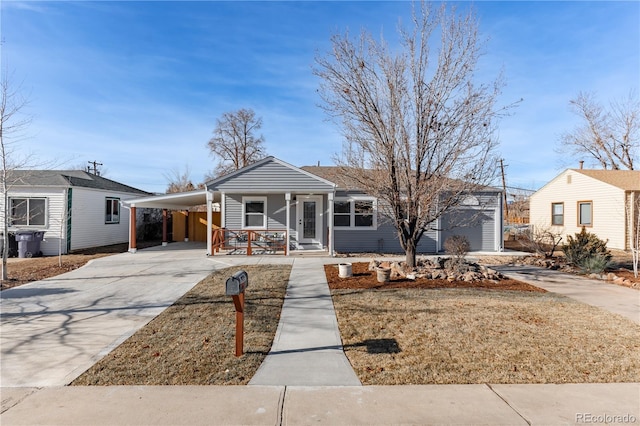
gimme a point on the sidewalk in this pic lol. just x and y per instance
(52, 330)
(307, 349)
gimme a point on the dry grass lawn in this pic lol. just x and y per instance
(193, 341)
(456, 335)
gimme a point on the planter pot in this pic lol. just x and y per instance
(344, 270)
(384, 274)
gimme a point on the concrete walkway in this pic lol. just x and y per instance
(307, 349)
(610, 297)
(54, 329)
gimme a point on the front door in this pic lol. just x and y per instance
(309, 215)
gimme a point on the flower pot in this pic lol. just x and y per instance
(384, 274)
(344, 270)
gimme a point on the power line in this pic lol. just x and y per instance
(95, 167)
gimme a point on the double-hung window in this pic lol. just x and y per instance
(557, 214)
(112, 210)
(585, 213)
(254, 212)
(358, 213)
(28, 211)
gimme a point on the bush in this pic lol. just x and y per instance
(457, 246)
(595, 264)
(541, 240)
(584, 247)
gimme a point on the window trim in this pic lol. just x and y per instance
(352, 214)
(560, 203)
(111, 200)
(265, 219)
(28, 200)
(579, 213)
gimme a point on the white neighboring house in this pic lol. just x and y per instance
(599, 200)
(76, 209)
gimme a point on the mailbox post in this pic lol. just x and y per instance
(235, 287)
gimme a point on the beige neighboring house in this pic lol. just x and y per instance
(603, 201)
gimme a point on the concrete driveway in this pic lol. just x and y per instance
(53, 330)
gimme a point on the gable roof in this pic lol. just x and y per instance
(628, 180)
(287, 169)
(69, 178)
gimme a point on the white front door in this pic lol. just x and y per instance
(309, 216)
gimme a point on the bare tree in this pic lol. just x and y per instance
(13, 125)
(179, 181)
(633, 226)
(235, 142)
(609, 136)
(418, 129)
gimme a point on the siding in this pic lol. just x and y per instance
(608, 207)
(55, 227)
(271, 176)
(88, 219)
(382, 240)
(478, 225)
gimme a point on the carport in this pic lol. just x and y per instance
(166, 202)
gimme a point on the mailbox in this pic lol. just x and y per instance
(237, 283)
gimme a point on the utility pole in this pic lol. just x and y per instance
(95, 167)
(504, 189)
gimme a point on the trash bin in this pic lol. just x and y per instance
(29, 243)
(11, 244)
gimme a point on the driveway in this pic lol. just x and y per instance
(53, 330)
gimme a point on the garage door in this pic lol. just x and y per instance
(477, 225)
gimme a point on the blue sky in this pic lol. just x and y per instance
(138, 86)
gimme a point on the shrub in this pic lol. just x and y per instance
(541, 240)
(457, 246)
(583, 246)
(596, 264)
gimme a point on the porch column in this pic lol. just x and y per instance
(223, 209)
(186, 225)
(132, 229)
(287, 198)
(164, 228)
(330, 221)
(209, 223)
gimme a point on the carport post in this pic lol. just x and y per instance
(209, 223)
(132, 229)
(164, 227)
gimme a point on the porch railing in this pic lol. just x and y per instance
(269, 241)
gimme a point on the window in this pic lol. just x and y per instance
(585, 213)
(356, 213)
(342, 213)
(254, 212)
(557, 214)
(28, 211)
(112, 210)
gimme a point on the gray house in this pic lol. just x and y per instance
(289, 209)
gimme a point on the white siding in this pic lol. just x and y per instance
(569, 188)
(55, 209)
(88, 219)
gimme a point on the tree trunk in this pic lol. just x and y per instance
(410, 252)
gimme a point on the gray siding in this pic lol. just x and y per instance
(271, 176)
(276, 211)
(383, 240)
(478, 225)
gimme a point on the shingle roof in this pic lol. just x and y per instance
(336, 175)
(628, 180)
(69, 178)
